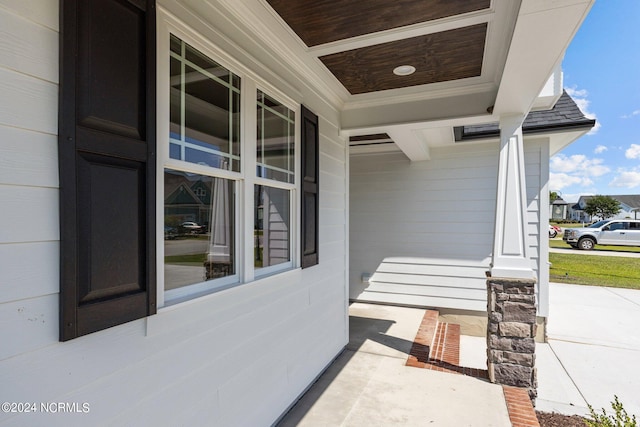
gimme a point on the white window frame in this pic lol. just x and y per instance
(246, 179)
(291, 187)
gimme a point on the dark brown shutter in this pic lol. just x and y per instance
(310, 188)
(106, 148)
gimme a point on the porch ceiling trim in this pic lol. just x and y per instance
(523, 44)
(543, 31)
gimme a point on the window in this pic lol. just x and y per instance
(200, 201)
(617, 226)
(205, 109)
(213, 176)
(211, 182)
(275, 173)
(275, 134)
(203, 248)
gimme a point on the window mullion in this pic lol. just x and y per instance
(289, 142)
(262, 160)
(265, 182)
(183, 113)
(249, 157)
(230, 124)
(275, 112)
(203, 71)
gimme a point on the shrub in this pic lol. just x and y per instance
(619, 419)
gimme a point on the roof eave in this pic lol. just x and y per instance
(584, 125)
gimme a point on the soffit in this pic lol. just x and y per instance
(361, 43)
(439, 57)
(346, 52)
(323, 21)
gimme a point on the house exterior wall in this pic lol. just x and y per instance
(236, 357)
(424, 230)
(626, 211)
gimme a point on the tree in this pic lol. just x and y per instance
(553, 196)
(602, 207)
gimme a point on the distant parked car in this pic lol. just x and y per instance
(554, 230)
(170, 233)
(191, 227)
(616, 232)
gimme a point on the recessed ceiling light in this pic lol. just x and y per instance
(404, 70)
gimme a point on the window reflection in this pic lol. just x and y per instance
(271, 226)
(199, 231)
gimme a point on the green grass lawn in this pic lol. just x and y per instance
(616, 272)
(186, 259)
(559, 243)
(571, 225)
(199, 259)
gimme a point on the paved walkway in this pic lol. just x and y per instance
(369, 384)
(593, 351)
(592, 354)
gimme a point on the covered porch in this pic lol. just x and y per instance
(373, 382)
(379, 378)
(134, 84)
(448, 169)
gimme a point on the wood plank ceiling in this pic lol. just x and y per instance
(437, 57)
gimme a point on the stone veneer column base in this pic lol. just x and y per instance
(511, 331)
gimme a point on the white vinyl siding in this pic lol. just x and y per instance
(237, 357)
(29, 233)
(423, 230)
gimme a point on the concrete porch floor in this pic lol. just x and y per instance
(369, 384)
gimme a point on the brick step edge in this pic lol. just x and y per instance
(520, 408)
(423, 342)
(437, 347)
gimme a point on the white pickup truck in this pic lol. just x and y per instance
(617, 232)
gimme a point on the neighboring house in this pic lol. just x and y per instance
(109, 107)
(187, 201)
(629, 207)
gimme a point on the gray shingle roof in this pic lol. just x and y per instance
(565, 115)
(631, 200)
(559, 201)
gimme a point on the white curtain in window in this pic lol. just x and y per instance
(220, 236)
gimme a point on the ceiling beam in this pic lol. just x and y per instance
(419, 111)
(411, 143)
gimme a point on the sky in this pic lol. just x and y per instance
(602, 74)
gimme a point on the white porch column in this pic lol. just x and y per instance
(510, 247)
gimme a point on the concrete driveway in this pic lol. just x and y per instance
(593, 350)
